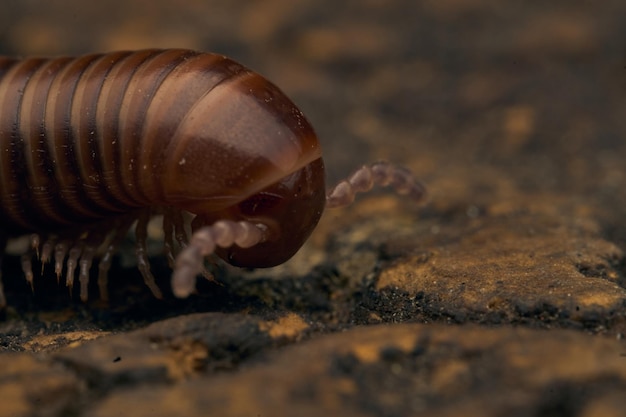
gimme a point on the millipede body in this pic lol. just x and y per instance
(91, 146)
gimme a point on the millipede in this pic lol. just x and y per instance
(93, 146)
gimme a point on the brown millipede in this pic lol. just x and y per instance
(94, 144)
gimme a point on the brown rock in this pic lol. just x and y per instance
(405, 370)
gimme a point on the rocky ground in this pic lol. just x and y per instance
(504, 295)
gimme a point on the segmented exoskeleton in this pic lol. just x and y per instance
(91, 145)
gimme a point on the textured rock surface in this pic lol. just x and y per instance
(505, 295)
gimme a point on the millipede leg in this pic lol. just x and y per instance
(84, 265)
(141, 234)
(35, 241)
(179, 229)
(376, 174)
(60, 250)
(46, 251)
(94, 240)
(27, 268)
(72, 262)
(119, 233)
(174, 228)
(168, 238)
(183, 241)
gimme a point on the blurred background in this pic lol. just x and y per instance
(489, 101)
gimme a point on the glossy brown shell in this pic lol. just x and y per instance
(91, 145)
(89, 138)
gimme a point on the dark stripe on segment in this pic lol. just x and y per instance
(42, 184)
(62, 141)
(107, 118)
(5, 65)
(141, 90)
(13, 189)
(88, 132)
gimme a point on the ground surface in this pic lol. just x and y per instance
(505, 295)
